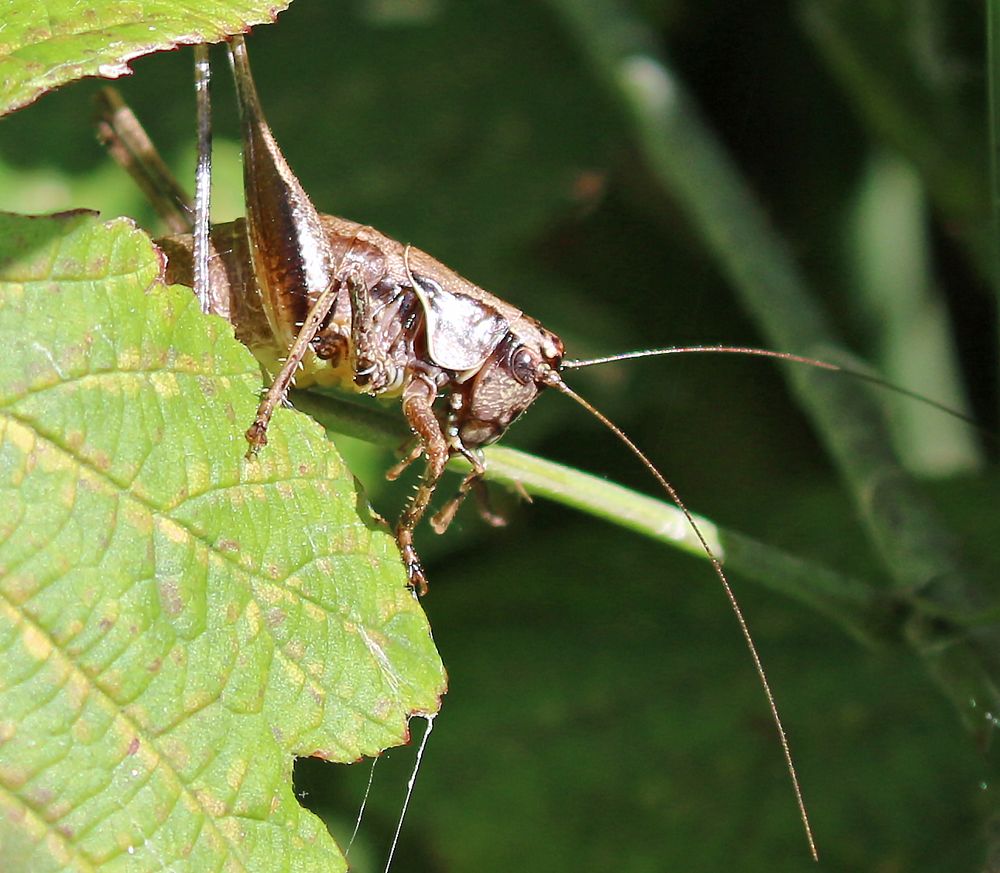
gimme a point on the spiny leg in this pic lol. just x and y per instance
(256, 434)
(418, 403)
(203, 179)
(401, 466)
(473, 482)
(131, 148)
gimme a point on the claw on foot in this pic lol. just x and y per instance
(417, 579)
(256, 436)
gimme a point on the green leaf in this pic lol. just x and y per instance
(176, 623)
(47, 43)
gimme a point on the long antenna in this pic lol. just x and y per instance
(790, 358)
(679, 350)
(552, 378)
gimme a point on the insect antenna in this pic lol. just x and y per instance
(677, 350)
(790, 358)
(552, 378)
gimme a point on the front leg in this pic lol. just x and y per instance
(475, 483)
(418, 403)
(473, 480)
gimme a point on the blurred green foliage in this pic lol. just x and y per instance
(603, 713)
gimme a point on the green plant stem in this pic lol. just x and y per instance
(857, 607)
(691, 165)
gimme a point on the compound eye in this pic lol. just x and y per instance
(524, 365)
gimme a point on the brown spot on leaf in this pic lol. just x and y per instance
(207, 386)
(170, 597)
(98, 266)
(39, 797)
(13, 776)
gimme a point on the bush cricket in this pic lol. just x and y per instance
(325, 300)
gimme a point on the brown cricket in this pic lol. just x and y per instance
(325, 300)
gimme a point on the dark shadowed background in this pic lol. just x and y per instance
(603, 711)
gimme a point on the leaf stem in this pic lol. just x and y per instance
(856, 606)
